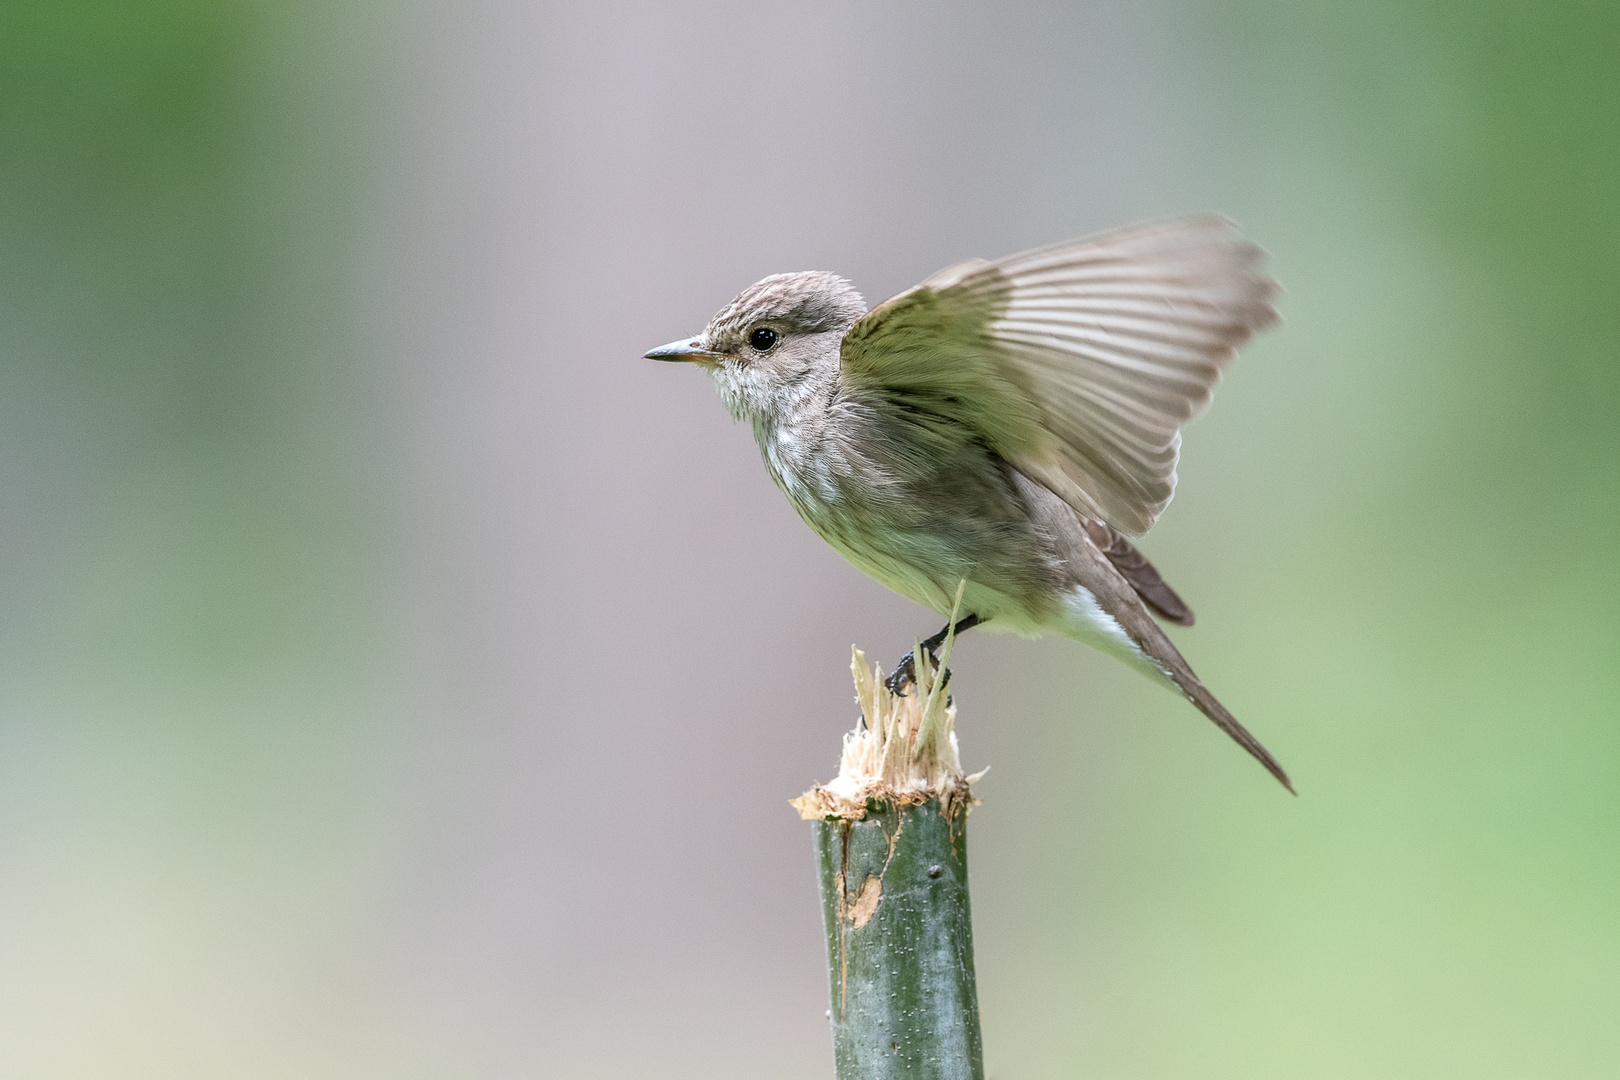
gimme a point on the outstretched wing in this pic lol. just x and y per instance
(1080, 362)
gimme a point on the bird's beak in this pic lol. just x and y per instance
(690, 350)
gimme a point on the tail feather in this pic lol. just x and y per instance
(1126, 630)
(1200, 696)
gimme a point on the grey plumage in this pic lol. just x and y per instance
(1009, 424)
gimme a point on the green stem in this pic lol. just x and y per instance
(894, 894)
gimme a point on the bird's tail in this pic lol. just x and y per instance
(1199, 695)
(1140, 642)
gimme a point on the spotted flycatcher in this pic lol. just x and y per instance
(1007, 424)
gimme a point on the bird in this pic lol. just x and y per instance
(1004, 430)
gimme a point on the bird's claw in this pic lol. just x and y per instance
(904, 674)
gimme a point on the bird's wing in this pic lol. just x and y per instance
(1079, 362)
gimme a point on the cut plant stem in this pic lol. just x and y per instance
(891, 842)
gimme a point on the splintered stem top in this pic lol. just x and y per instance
(905, 751)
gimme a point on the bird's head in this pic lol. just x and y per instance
(765, 347)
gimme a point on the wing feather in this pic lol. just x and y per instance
(1078, 362)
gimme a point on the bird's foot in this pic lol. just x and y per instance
(904, 675)
(905, 672)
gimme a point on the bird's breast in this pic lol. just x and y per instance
(858, 507)
(915, 523)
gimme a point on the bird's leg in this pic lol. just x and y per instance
(905, 672)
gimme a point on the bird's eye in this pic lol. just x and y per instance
(762, 339)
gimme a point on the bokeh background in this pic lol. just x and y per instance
(399, 678)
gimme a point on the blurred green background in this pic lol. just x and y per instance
(399, 679)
